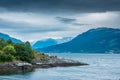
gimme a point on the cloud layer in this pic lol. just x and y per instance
(40, 19)
(61, 5)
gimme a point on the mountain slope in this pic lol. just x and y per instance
(7, 37)
(44, 43)
(63, 40)
(49, 42)
(98, 40)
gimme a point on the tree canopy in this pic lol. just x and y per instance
(19, 51)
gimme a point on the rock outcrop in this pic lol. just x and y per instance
(18, 67)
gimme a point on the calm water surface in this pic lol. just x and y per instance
(102, 67)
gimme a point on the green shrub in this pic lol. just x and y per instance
(24, 51)
(6, 57)
(9, 49)
(3, 43)
(17, 51)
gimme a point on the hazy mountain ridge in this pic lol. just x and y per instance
(50, 42)
(7, 37)
(44, 43)
(100, 40)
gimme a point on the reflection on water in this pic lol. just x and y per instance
(102, 67)
(16, 72)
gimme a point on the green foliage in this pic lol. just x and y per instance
(18, 51)
(3, 43)
(6, 57)
(9, 49)
(24, 51)
(9, 41)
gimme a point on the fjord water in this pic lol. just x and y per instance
(102, 67)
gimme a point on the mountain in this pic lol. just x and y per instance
(63, 40)
(100, 40)
(44, 43)
(49, 42)
(7, 37)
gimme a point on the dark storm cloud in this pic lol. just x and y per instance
(70, 21)
(65, 20)
(61, 5)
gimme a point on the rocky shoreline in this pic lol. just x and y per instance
(18, 66)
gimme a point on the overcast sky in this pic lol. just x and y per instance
(40, 19)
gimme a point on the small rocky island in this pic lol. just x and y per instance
(20, 57)
(48, 62)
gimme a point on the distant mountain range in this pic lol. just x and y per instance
(64, 39)
(44, 43)
(100, 40)
(50, 42)
(39, 43)
(7, 37)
